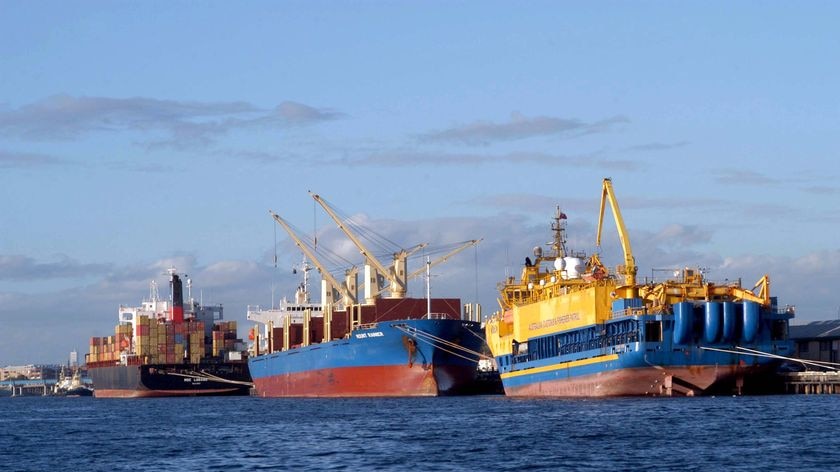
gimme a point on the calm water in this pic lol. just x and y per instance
(467, 433)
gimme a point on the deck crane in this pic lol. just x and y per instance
(437, 261)
(348, 294)
(373, 268)
(445, 257)
(628, 269)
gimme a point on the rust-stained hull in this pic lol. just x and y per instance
(400, 358)
(655, 381)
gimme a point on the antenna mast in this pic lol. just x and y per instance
(558, 227)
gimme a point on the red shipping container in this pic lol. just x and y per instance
(277, 339)
(316, 330)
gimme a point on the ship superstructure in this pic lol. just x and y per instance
(570, 326)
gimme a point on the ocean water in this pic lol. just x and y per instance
(460, 433)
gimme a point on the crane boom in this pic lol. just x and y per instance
(410, 251)
(397, 285)
(445, 257)
(630, 268)
(303, 247)
(437, 261)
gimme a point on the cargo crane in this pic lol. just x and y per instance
(435, 262)
(347, 293)
(444, 258)
(628, 269)
(395, 276)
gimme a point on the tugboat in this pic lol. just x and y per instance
(72, 386)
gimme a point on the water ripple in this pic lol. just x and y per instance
(439, 434)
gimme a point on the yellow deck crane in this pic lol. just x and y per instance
(628, 269)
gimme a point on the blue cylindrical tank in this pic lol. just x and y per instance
(711, 324)
(683, 322)
(751, 321)
(730, 321)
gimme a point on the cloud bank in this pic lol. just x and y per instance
(20, 160)
(186, 123)
(519, 127)
(24, 268)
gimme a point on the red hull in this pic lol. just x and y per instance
(677, 381)
(380, 381)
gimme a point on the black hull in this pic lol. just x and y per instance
(76, 392)
(170, 380)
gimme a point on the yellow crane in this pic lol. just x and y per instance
(628, 269)
(349, 297)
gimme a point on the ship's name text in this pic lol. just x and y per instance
(559, 320)
(374, 334)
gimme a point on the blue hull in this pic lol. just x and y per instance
(392, 358)
(650, 355)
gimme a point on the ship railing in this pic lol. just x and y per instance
(437, 316)
(629, 312)
(367, 326)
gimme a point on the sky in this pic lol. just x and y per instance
(139, 136)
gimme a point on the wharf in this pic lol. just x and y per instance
(27, 387)
(812, 382)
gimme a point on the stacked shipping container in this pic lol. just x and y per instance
(153, 341)
(224, 337)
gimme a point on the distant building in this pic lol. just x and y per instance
(817, 340)
(30, 371)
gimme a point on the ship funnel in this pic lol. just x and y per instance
(177, 312)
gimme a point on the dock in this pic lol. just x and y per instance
(812, 382)
(28, 387)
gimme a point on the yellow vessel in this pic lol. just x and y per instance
(570, 326)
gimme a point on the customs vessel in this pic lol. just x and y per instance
(571, 326)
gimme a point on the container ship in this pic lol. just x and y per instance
(163, 348)
(395, 346)
(570, 326)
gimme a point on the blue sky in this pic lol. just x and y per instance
(135, 136)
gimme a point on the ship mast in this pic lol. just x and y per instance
(304, 288)
(558, 228)
(428, 288)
